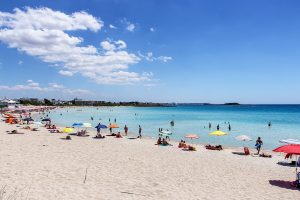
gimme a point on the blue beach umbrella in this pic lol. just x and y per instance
(101, 126)
(77, 124)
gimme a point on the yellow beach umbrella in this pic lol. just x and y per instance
(68, 130)
(218, 133)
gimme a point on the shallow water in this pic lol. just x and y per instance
(251, 120)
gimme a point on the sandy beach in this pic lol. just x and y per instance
(41, 165)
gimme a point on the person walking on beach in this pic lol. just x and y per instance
(258, 144)
(218, 127)
(126, 130)
(110, 129)
(140, 132)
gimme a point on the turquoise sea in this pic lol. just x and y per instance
(251, 120)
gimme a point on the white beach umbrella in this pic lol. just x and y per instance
(290, 141)
(243, 138)
(86, 125)
(166, 132)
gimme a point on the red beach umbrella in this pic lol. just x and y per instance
(291, 149)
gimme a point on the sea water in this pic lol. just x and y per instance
(250, 120)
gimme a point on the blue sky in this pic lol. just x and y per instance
(161, 51)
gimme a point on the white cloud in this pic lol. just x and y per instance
(112, 26)
(41, 32)
(108, 46)
(149, 57)
(20, 62)
(34, 86)
(65, 73)
(130, 27)
(152, 29)
(164, 58)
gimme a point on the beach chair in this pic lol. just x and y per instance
(247, 151)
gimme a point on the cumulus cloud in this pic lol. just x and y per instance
(44, 33)
(149, 57)
(34, 86)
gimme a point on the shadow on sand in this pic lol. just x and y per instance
(286, 164)
(239, 153)
(284, 184)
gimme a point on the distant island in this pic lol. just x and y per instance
(81, 102)
(232, 104)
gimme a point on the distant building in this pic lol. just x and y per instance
(9, 103)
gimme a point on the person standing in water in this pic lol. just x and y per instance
(258, 144)
(126, 130)
(115, 120)
(218, 127)
(229, 127)
(269, 124)
(140, 132)
(209, 125)
(172, 123)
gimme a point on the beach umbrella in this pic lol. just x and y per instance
(101, 126)
(113, 126)
(167, 132)
(192, 136)
(68, 130)
(243, 138)
(86, 125)
(77, 124)
(293, 149)
(290, 148)
(218, 133)
(290, 141)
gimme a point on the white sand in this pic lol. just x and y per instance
(40, 165)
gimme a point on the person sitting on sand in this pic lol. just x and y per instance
(164, 142)
(81, 133)
(182, 144)
(159, 141)
(53, 126)
(26, 127)
(55, 131)
(118, 135)
(99, 135)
